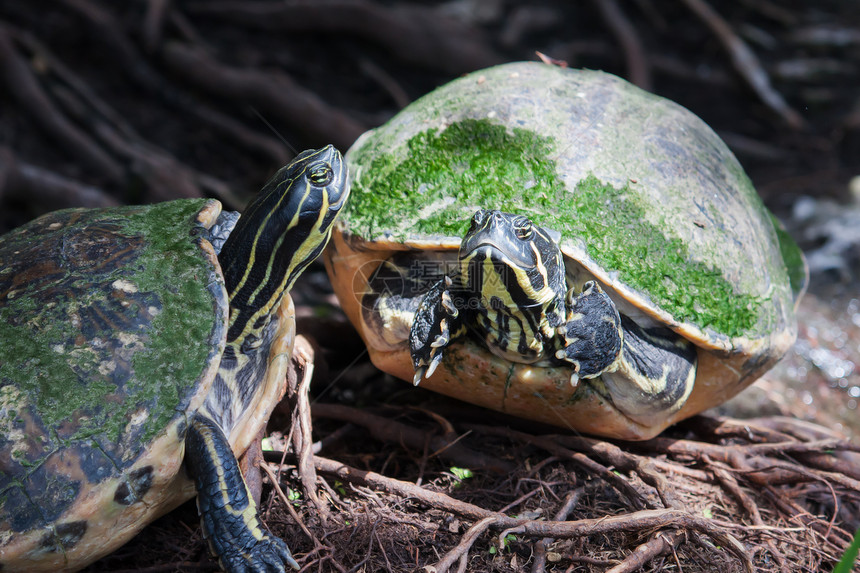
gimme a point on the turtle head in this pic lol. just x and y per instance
(512, 277)
(506, 259)
(280, 233)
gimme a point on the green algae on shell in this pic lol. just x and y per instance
(124, 329)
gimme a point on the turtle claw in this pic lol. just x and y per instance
(268, 555)
(426, 369)
(441, 340)
(419, 375)
(447, 301)
(434, 362)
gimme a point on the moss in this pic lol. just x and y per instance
(173, 266)
(792, 256)
(447, 174)
(93, 354)
(622, 239)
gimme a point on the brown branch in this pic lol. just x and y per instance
(387, 430)
(274, 94)
(834, 464)
(127, 60)
(636, 521)
(540, 549)
(384, 80)
(273, 479)
(634, 497)
(461, 550)
(165, 176)
(401, 488)
(302, 362)
(627, 462)
(660, 544)
(724, 453)
(749, 505)
(748, 430)
(759, 464)
(153, 24)
(796, 428)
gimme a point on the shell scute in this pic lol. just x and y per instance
(137, 484)
(64, 536)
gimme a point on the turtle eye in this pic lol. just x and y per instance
(524, 229)
(320, 173)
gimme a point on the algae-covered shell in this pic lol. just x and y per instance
(648, 201)
(112, 326)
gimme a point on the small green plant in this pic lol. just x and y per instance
(338, 486)
(509, 538)
(461, 473)
(846, 564)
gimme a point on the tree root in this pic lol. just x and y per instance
(84, 124)
(635, 521)
(386, 429)
(19, 180)
(23, 86)
(742, 497)
(638, 69)
(272, 93)
(416, 34)
(746, 63)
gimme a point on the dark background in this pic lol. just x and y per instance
(165, 83)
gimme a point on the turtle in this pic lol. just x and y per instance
(661, 286)
(143, 348)
(510, 290)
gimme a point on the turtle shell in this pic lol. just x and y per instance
(647, 200)
(112, 325)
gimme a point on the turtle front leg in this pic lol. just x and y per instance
(645, 372)
(228, 513)
(591, 337)
(436, 323)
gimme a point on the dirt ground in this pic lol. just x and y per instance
(105, 103)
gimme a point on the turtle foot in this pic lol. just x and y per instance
(228, 514)
(268, 554)
(591, 337)
(437, 321)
